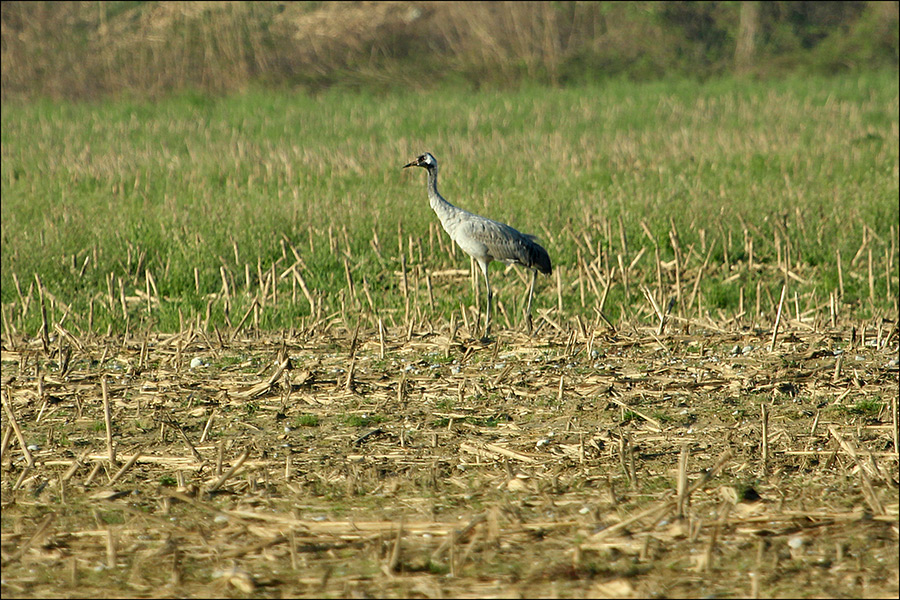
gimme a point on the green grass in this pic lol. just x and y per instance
(868, 407)
(100, 195)
(306, 421)
(362, 420)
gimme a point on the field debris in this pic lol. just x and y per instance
(370, 461)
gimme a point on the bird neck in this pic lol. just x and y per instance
(440, 206)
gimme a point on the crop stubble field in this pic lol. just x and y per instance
(239, 357)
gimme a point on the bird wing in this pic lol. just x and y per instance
(487, 239)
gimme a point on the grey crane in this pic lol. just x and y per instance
(484, 239)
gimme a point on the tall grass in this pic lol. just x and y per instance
(84, 50)
(97, 196)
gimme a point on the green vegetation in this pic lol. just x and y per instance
(362, 420)
(92, 50)
(275, 209)
(306, 421)
(867, 407)
(167, 481)
(202, 202)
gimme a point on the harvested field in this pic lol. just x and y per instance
(345, 460)
(238, 352)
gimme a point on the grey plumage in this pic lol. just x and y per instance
(484, 239)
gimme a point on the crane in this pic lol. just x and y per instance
(484, 239)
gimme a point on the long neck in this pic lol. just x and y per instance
(440, 206)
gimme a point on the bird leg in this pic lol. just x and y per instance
(528, 322)
(490, 296)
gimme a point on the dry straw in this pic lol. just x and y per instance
(564, 437)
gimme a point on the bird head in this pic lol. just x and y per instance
(425, 160)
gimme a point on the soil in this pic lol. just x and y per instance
(412, 462)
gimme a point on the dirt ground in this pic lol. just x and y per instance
(336, 462)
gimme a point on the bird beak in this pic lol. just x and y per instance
(412, 164)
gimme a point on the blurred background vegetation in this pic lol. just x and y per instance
(89, 50)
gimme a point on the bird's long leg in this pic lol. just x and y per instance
(490, 296)
(530, 296)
